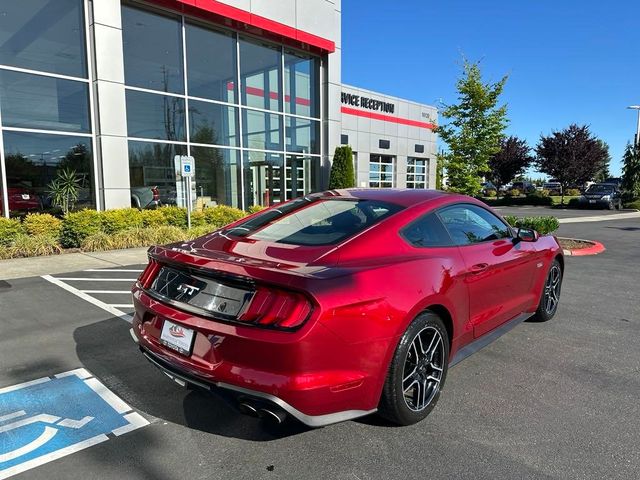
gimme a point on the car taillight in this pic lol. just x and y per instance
(276, 308)
(156, 194)
(149, 273)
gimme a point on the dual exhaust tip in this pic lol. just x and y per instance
(272, 415)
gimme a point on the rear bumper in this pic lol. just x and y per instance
(311, 374)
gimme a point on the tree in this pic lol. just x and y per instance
(342, 174)
(573, 156)
(439, 171)
(631, 170)
(513, 159)
(474, 131)
(604, 172)
(64, 190)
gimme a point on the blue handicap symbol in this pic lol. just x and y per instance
(52, 417)
(187, 168)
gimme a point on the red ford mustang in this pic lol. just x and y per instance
(340, 304)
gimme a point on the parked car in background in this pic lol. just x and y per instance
(554, 188)
(605, 195)
(523, 187)
(145, 197)
(339, 304)
(21, 199)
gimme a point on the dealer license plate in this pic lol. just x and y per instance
(177, 337)
(592, 201)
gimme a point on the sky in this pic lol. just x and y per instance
(568, 61)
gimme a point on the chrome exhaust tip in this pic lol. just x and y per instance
(248, 409)
(272, 416)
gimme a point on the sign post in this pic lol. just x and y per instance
(187, 172)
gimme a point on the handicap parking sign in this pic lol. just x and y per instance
(48, 418)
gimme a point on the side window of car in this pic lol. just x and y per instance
(469, 224)
(427, 231)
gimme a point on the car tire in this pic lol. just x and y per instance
(610, 205)
(550, 297)
(417, 371)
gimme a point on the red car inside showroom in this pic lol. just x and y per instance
(344, 303)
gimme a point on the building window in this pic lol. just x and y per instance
(344, 139)
(248, 111)
(417, 169)
(46, 119)
(384, 144)
(381, 171)
(419, 148)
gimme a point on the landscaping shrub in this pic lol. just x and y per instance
(222, 215)
(28, 246)
(98, 242)
(36, 224)
(10, 228)
(198, 219)
(528, 200)
(152, 218)
(514, 192)
(572, 192)
(573, 203)
(542, 225)
(196, 232)
(635, 204)
(255, 209)
(165, 234)
(175, 216)
(492, 193)
(120, 219)
(77, 226)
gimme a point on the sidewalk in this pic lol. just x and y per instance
(69, 262)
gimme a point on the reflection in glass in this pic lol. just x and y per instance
(301, 75)
(260, 73)
(264, 178)
(152, 165)
(152, 50)
(150, 115)
(211, 64)
(302, 135)
(416, 173)
(213, 123)
(217, 180)
(35, 101)
(302, 175)
(381, 171)
(261, 130)
(45, 35)
(34, 160)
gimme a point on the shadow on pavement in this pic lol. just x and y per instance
(105, 349)
(626, 229)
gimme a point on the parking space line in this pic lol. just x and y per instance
(112, 270)
(85, 279)
(94, 301)
(121, 305)
(120, 292)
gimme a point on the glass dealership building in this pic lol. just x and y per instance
(113, 91)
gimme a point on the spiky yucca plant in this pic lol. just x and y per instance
(64, 190)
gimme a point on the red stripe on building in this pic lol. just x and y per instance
(251, 21)
(258, 92)
(386, 118)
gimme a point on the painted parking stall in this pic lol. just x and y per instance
(51, 417)
(106, 288)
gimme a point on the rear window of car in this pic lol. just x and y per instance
(313, 221)
(600, 189)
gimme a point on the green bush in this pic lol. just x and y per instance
(120, 219)
(10, 228)
(573, 203)
(492, 193)
(513, 192)
(28, 246)
(98, 242)
(342, 174)
(542, 225)
(634, 204)
(222, 215)
(539, 194)
(255, 209)
(198, 219)
(572, 192)
(166, 234)
(77, 226)
(196, 232)
(528, 200)
(152, 218)
(174, 216)
(36, 224)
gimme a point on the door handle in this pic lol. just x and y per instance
(479, 267)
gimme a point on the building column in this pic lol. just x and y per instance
(110, 116)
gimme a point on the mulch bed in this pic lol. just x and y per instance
(573, 244)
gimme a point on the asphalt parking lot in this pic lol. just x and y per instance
(555, 400)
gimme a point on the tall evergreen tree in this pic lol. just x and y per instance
(342, 173)
(476, 126)
(631, 170)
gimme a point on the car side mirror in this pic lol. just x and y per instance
(527, 235)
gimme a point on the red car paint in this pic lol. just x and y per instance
(364, 292)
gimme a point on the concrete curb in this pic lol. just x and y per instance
(594, 249)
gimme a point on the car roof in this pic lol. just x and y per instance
(406, 197)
